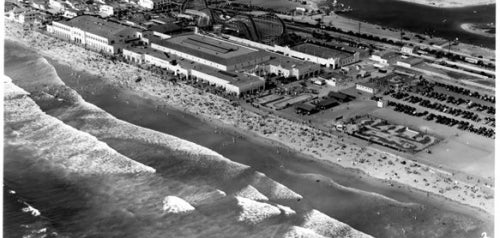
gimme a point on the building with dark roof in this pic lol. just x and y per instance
(327, 103)
(94, 33)
(409, 62)
(342, 57)
(211, 51)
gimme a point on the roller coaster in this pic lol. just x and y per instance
(266, 28)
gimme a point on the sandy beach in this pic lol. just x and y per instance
(390, 168)
(451, 3)
(472, 28)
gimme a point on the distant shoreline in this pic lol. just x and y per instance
(475, 29)
(451, 3)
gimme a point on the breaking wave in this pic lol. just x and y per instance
(181, 189)
(57, 143)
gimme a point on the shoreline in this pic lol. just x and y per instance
(188, 97)
(438, 200)
(451, 3)
(472, 28)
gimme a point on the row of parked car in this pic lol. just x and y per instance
(462, 125)
(399, 107)
(467, 92)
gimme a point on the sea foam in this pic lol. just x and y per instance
(254, 212)
(58, 143)
(173, 204)
(324, 225)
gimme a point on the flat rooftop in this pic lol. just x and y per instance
(213, 49)
(289, 62)
(387, 54)
(234, 78)
(100, 26)
(368, 84)
(321, 51)
(412, 60)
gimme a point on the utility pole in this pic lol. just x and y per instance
(449, 46)
(401, 36)
(359, 33)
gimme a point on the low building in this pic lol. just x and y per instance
(366, 87)
(28, 17)
(94, 33)
(333, 56)
(408, 49)
(331, 82)
(381, 103)
(290, 67)
(385, 57)
(57, 5)
(327, 103)
(409, 62)
(153, 4)
(24, 16)
(232, 82)
(363, 74)
(70, 14)
(165, 30)
(341, 97)
(40, 4)
(106, 10)
(318, 81)
(306, 108)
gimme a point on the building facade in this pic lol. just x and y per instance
(366, 88)
(94, 33)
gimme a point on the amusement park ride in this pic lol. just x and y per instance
(265, 28)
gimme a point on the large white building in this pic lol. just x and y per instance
(236, 83)
(94, 33)
(210, 51)
(291, 67)
(308, 52)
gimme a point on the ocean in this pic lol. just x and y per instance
(440, 22)
(124, 205)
